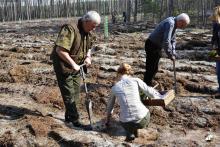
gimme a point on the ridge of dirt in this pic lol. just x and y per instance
(31, 107)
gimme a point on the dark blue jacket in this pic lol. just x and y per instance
(216, 35)
(164, 35)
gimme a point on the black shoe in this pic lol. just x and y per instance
(78, 124)
(82, 126)
(130, 137)
(67, 118)
(136, 133)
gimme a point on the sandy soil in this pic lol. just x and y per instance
(31, 107)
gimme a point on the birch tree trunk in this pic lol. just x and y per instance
(203, 12)
(12, 10)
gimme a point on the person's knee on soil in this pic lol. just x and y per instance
(134, 114)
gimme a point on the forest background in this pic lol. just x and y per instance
(136, 10)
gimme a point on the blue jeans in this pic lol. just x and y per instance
(218, 74)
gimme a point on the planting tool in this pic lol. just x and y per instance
(88, 101)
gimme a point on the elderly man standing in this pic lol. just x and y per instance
(70, 51)
(164, 36)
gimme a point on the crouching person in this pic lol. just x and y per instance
(133, 113)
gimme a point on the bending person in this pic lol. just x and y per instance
(163, 36)
(133, 113)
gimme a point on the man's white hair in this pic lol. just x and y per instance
(92, 16)
(184, 17)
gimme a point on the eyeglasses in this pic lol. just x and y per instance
(94, 24)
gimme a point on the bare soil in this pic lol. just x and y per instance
(31, 107)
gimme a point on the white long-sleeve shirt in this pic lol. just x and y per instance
(127, 92)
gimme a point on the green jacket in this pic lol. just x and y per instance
(77, 42)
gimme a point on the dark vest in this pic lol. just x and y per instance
(76, 49)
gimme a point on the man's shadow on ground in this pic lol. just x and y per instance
(10, 112)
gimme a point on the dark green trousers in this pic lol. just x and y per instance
(132, 127)
(69, 85)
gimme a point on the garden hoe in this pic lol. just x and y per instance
(88, 101)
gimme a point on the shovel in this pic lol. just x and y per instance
(88, 101)
(174, 72)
